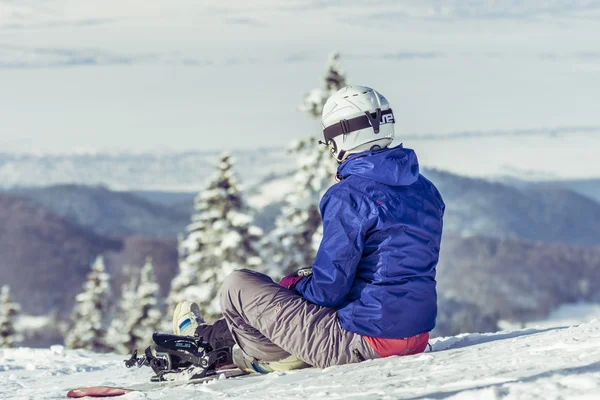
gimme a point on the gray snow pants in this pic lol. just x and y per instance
(269, 323)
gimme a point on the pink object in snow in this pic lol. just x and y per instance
(97, 391)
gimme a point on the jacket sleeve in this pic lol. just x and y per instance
(339, 254)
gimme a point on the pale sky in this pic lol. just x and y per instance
(185, 74)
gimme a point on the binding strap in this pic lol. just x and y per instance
(346, 126)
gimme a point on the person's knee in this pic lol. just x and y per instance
(250, 282)
(235, 280)
(231, 285)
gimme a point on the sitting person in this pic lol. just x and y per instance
(372, 291)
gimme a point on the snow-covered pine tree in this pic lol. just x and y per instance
(118, 331)
(139, 315)
(221, 238)
(87, 320)
(8, 313)
(291, 245)
(333, 80)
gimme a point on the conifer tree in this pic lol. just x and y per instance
(87, 320)
(291, 245)
(9, 310)
(221, 238)
(118, 334)
(333, 80)
(139, 315)
(325, 165)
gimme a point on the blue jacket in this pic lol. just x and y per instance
(382, 228)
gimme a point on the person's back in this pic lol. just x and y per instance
(382, 229)
(397, 214)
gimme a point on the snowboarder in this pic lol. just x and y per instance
(372, 290)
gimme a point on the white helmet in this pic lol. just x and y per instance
(356, 119)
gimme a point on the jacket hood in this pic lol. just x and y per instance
(395, 166)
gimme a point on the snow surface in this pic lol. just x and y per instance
(553, 363)
(526, 154)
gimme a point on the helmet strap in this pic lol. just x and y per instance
(343, 127)
(374, 120)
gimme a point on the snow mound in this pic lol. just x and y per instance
(549, 363)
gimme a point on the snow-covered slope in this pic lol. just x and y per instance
(545, 154)
(165, 171)
(554, 363)
(528, 155)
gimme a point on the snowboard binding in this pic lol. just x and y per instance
(174, 357)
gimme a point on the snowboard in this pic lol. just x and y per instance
(107, 391)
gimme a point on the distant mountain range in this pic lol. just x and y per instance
(587, 187)
(43, 257)
(165, 172)
(109, 213)
(484, 280)
(545, 213)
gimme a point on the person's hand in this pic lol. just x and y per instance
(290, 281)
(303, 271)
